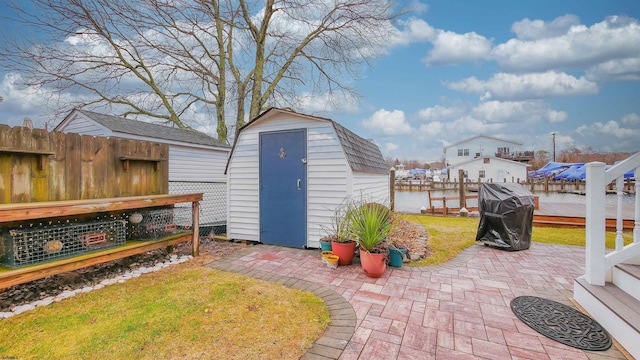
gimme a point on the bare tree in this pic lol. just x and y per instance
(171, 59)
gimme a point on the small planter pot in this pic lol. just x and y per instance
(332, 261)
(373, 265)
(325, 246)
(345, 251)
(396, 257)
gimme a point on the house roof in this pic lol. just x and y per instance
(361, 154)
(134, 127)
(481, 136)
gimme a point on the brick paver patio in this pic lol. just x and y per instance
(458, 310)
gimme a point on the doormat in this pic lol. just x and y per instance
(561, 323)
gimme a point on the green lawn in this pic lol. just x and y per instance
(185, 312)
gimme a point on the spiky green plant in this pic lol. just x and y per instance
(370, 224)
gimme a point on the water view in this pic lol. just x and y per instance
(412, 201)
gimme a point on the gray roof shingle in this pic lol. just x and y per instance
(362, 155)
(135, 127)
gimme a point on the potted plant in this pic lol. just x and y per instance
(342, 244)
(370, 224)
(397, 253)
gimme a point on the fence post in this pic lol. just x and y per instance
(461, 190)
(392, 193)
(595, 224)
(195, 213)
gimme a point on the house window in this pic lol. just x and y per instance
(481, 174)
(503, 150)
(463, 152)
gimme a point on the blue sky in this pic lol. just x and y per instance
(519, 70)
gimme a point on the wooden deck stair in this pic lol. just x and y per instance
(616, 306)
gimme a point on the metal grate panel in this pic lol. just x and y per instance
(35, 243)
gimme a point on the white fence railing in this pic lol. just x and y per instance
(598, 261)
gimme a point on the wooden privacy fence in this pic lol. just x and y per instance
(36, 165)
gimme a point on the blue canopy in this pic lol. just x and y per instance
(551, 168)
(417, 171)
(570, 172)
(576, 171)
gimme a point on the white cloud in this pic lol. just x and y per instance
(430, 129)
(631, 120)
(537, 29)
(320, 103)
(452, 48)
(391, 147)
(517, 112)
(412, 30)
(615, 70)
(613, 135)
(616, 37)
(504, 86)
(388, 123)
(20, 101)
(556, 116)
(439, 112)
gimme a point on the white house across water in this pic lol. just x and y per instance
(288, 172)
(196, 160)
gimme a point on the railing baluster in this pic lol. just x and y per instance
(636, 228)
(619, 238)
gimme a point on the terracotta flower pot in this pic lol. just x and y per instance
(373, 265)
(345, 251)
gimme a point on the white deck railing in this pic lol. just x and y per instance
(598, 261)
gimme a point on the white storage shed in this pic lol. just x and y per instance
(196, 160)
(288, 172)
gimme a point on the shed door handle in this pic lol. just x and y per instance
(298, 184)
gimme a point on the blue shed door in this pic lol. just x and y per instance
(283, 188)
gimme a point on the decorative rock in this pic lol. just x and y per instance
(98, 287)
(86, 289)
(22, 308)
(6, 315)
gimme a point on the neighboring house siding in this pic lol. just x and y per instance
(188, 164)
(480, 145)
(83, 126)
(497, 170)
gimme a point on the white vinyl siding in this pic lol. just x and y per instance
(496, 169)
(373, 187)
(480, 146)
(81, 125)
(189, 164)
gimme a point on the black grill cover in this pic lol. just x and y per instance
(506, 216)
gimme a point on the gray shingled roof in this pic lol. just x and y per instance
(135, 127)
(362, 155)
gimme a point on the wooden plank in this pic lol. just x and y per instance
(29, 211)
(21, 166)
(5, 167)
(18, 276)
(88, 181)
(73, 167)
(101, 169)
(57, 174)
(4, 149)
(40, 172)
